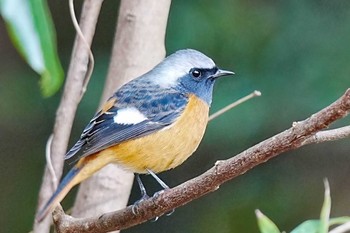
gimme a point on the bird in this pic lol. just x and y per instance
(149, 125)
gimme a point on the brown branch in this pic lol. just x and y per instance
(210, 180)
(329, 135)
(68, 105)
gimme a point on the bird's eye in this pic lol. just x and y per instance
(196, 73)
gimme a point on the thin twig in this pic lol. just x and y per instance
(209, 181)
(234, 104)
(329, 135)
(49, 161)
(91, 63)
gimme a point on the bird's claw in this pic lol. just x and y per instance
(156, 195)
(170, 213)
(135, 205)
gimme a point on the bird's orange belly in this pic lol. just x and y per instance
(166, 148)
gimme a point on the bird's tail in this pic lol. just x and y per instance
(81, 171)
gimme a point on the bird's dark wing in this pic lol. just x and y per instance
(106, 129)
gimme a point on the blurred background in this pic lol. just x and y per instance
(296, 53)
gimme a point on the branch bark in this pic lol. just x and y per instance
(329, 135)
(68, 106)
(138, 47)
(211, 180)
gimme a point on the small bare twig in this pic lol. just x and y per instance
(91, 63)
(234, 104)
(329, 135)
(209, 181)
(49, 161)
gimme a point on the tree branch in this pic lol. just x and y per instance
(209, 181)
(329, 135)
(68, 105)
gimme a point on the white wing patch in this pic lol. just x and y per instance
(128, 116)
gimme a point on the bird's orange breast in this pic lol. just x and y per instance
(166, 148)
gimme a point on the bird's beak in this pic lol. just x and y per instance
(221, 73)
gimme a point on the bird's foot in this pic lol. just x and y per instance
(134, 207)
(157, 194)
(170, 213)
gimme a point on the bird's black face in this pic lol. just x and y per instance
(199, 74)
(208, 74)
(200, 81)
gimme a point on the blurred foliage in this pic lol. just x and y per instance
(295, 52)
(30, 27)
(265, 224)
(309, 226)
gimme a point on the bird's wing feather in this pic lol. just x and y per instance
(104, 130)
(116, 134)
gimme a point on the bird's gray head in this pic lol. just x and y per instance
(190, 71)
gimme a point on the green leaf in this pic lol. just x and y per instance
(309, 226)
(326, 209)
(31, 30)
(322, 225)
(313, 226)
(265, 224)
